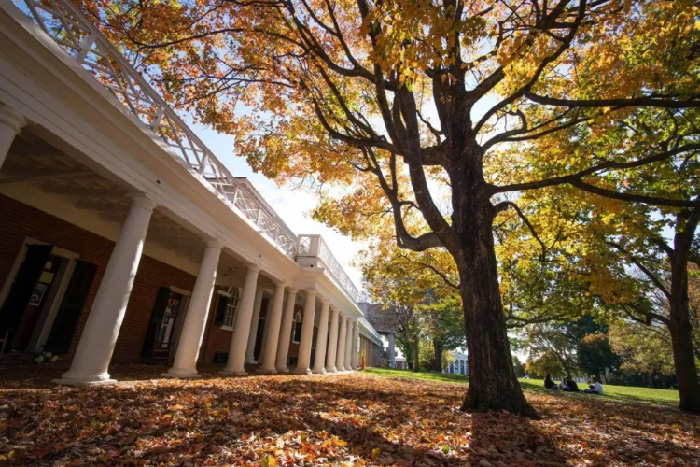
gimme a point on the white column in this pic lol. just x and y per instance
(11, 122)
(355, 346)
(266, 329)
(197, 311)
(273, 323)
(254, 323)
(285, 333)
(241, 329)
(101, 330)
(307, 334)
(391, 352)
(332, 342)
(347, 363)
(340, 357)
(322, 339)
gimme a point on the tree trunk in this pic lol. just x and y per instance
(492, 381)
(437, 362)
(682, 339)
(680, 325)
(416, 361)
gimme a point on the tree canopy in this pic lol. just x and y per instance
(437, 117)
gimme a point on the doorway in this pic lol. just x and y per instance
(43, 298)
(165, 325)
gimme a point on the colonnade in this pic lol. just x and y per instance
(335, 334)
(99, 336)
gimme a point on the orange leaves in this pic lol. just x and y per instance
(345, 421)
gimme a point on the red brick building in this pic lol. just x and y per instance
(123, 238)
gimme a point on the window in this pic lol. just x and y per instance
(296, 328)
(228, 305)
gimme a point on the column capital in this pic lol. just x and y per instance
(141, 200)
(310, 292)
(213, 243)
(280, 284)
(324, 300)
(292, 291)
(252, 267)
(12, 118)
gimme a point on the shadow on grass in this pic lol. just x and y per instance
(536, 387)
(533, 386)
(421, 375)
(503, 439)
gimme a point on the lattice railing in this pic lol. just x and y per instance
(315, 246)
(85, 44)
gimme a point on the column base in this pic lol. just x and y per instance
(232, 373)
(181, 373)
(283, 371)
(322, 371)
(332, 370)
(264, 371)
(78, 379)
(304, 371)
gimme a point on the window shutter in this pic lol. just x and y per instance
(66, 322)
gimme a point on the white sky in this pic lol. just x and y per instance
(293, 206)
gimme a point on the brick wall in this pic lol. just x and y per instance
(215, 338)
(219, 340)
(19, 221)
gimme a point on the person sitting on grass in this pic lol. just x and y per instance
(595, 388)
(548, 382)
(570, 385)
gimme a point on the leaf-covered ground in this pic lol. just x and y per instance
(338, 420)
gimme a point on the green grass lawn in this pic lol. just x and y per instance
(620, 393)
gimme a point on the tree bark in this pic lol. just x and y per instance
(681, 331)
(680, 325)
(437, 362)
(492, 381)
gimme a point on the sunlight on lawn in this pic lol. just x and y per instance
(621, 393)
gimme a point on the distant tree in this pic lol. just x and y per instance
(443, 322)
(645, 350)
(595, 355)
(546, 364)
(562, 339)
(409, 334)
(518, 367)
(551, 341)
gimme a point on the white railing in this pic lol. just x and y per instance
(364, 322)
(314, 247)
(85, 44)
